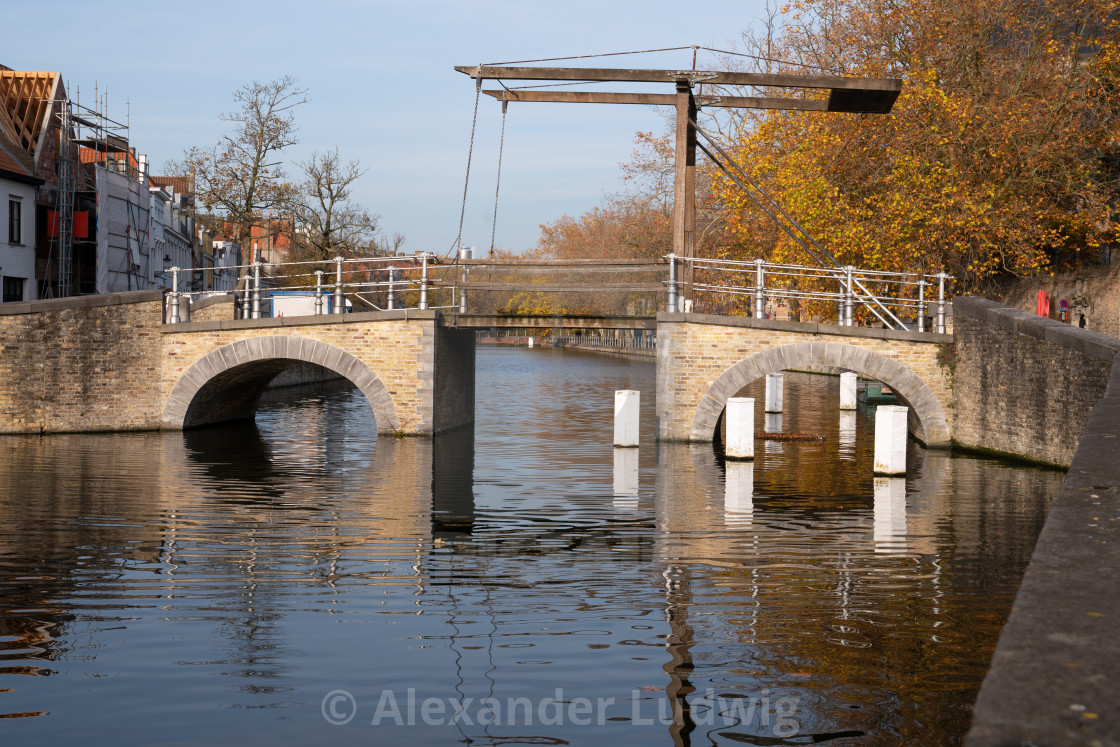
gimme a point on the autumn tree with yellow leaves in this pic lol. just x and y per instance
(1001, 155)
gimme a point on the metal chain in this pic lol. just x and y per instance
(467, 180)
(498, 186)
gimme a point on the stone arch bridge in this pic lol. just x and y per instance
(703, 360)
(108, 363)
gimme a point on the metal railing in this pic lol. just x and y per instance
(886, 296)
(618, 342)
(424, 281)
(330, 282)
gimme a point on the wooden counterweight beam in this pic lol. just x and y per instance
(856, 95)
(715, 77)
(660, 99)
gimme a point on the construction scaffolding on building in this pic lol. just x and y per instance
(100, 144)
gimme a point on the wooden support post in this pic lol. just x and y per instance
(684, 186)
(626, 402)
(739, 415)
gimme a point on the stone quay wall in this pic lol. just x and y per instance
(1054, 668)
(1025, 385)
(81, 364)
(702, 360)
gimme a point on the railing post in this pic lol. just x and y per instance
(849, 297)
(246, 294)
(759, 290)
(464, 253)
(921, 304)
(339, 303)
(173, 300)
(941, 277)
(423, 280)
(318, 292)
(392, 299)
(671, 302)
(256, 302)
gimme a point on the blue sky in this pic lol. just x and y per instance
(383, 90)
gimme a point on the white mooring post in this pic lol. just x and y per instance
(740, 428)
(848, 381)
(774, 391)
(626, 417)
(890, 440)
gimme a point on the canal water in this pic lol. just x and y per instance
(303, 580)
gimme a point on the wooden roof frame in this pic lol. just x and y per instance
(26, 105)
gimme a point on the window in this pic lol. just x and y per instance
(13, 289)
(15, 222)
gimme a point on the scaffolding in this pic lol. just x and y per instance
(64, 203)
(106, 142)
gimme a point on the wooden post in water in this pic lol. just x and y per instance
(774, 391)
(739, 417)
(848, 381)
(890, 440)
(626, 403)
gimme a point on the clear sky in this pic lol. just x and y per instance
(383, 90)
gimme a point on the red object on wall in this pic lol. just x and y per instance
(1042, 304)
(80, 225)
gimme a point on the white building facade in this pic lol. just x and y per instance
(172, 229)
(17, 237)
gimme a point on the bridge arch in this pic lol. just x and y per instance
(928, 421)
(226, 383)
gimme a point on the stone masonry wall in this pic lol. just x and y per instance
(1025, 385)
(694, 350)
(81, 364)
(212, 309)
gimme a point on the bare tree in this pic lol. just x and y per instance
(328, 222)
(240, 179)
(389, 245)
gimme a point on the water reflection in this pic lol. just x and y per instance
(626, 478)
(245, 572)
(738, 495)
(890, 515)
(847, 435)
